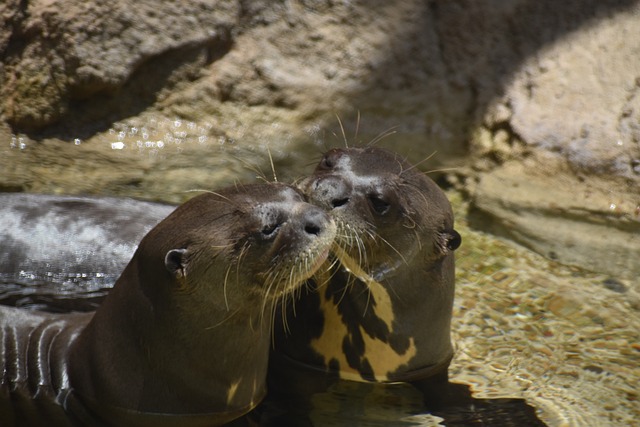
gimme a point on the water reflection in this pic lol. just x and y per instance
(57, 293)
(348, 403)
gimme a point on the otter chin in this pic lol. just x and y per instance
(382, 312)
(183, 337)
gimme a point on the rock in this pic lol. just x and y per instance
(57, 55)
(569, 189)
(591, 223)
(483, 83)
(581, 99)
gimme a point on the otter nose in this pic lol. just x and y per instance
(331, 191)
(314, 221)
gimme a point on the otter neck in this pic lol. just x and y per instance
(392, 330)
(143, 353)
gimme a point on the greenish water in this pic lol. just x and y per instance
(565, 339)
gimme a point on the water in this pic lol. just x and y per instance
(55, 293)
(344, 403)
(564, 339)
(530, 334)
(532, 337)
(349, 403)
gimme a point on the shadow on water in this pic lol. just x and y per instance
(455, 404)
(400, 404)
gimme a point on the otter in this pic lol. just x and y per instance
(382, 313)
(183, 337)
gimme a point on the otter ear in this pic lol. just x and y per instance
(449, 240)
(453, 239)
(175, 263)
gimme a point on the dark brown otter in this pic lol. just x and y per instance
(383, 314)
(183, 338)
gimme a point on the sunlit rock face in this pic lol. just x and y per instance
(153, 99)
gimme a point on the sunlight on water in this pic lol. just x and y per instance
(161, 133)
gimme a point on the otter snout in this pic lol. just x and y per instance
(330, 192)
(314, 221)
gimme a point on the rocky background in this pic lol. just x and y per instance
(530, 107)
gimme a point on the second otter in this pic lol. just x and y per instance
(384, 312)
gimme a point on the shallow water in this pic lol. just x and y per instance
(563, 340)
(566, 340)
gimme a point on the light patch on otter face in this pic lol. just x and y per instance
(233, 388)
(379, 355)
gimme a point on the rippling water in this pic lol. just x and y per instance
(56, 293)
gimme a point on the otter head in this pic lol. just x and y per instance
(388, 213)
(187, 323)
(384, 312)
(239, 247)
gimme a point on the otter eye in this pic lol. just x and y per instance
(330, 159)
(379, 206)
(270, 230)
(327, 163)
(339, 202)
